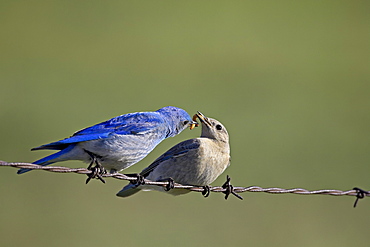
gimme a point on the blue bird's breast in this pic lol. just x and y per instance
(121, 151)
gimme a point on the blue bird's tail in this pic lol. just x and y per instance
(128, 190)
(48, 159)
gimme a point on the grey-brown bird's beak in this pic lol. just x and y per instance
(203, 118)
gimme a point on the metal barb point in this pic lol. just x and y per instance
(360, 195)
(229, 189)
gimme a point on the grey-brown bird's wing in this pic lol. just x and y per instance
(178, 150)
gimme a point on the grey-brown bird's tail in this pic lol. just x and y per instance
(128, 190)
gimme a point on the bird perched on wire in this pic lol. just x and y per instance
(196, 162)
(120, 142)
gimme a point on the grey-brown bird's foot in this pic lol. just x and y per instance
(206, 191)
(139, 179)
(170, 185)
(229, 189)
(96, 171)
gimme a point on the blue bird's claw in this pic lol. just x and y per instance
(97, 171)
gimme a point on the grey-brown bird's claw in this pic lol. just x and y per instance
(140, 180)
(206, 191)
(170, 185)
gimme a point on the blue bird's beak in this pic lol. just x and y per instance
(194, 123)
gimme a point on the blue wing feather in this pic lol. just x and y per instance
(128, 124)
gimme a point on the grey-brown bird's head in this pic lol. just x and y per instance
(213, 129)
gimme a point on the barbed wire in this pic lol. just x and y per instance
(227, 188)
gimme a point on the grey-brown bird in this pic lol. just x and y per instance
(196, 162)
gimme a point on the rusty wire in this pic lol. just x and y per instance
(226, 188)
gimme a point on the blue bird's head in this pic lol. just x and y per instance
(177, 119)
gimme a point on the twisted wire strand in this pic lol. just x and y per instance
(300, 191)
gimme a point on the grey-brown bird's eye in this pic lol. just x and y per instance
(218, 127)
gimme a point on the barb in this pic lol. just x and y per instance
(360, 194)
(226, 189)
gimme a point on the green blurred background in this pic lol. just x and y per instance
(289, 80)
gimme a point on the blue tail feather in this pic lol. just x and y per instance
(48, 159)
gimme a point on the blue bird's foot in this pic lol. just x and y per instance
(97, 171)
(139, 179)
(206, 191)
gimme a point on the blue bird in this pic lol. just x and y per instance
(196, 162)
(120, 142)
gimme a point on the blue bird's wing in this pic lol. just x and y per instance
(176, 151)
(128, 124)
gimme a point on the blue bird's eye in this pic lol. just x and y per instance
(186, 122)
